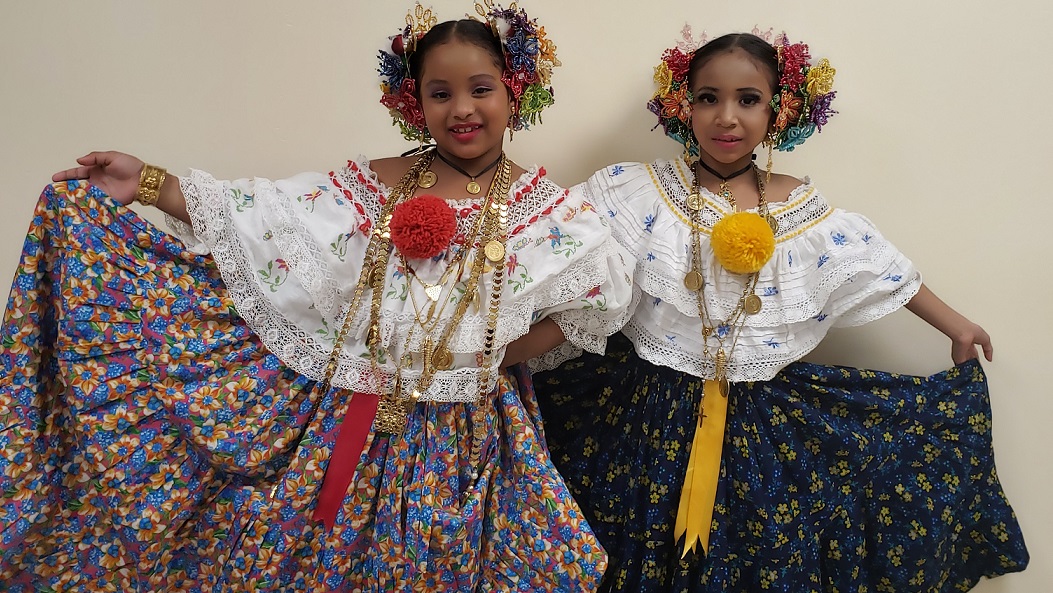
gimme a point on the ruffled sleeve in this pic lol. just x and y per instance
(586, 276)
(281, 247)
(830, 268)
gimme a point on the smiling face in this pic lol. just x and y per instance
(466, 106)
(731, 111)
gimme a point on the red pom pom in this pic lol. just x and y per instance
(422, 227)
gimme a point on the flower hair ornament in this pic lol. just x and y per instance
(801, 103)
(529, 59)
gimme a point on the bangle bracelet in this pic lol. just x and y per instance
(150, 181)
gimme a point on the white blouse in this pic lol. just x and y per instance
(830, 268)
(290, 252)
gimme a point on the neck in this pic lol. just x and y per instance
(472, 165)
(724, 171)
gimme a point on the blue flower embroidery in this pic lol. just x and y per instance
(555, 236)
(822, 260)
(893, 277)
(612, 213)
(671, 338)
(617, 170)
(770, 291)
(820, 317)
(656, 301)
(789, 258)
(723, 330)
(648, 222)
(866, 238)
(838, 238)
(650, 256)
(772, 342)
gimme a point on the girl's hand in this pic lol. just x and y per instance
(963, 346)
(115, 173)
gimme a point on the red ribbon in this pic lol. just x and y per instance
(354, 430)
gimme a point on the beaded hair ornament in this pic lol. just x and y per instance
(801, 102)
(527, 73)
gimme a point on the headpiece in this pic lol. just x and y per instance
(529, 60)
(801, 102)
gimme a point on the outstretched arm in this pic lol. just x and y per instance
(542, 337)
(117, 174)
(964, 334)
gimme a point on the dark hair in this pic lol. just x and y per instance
(760, 50)
(466, 30)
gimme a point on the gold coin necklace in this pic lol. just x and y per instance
(473, 186)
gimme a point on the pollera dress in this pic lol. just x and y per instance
(831, 478)
(164, 426)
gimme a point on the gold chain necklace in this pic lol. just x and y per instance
(748, 304)
(394, 406)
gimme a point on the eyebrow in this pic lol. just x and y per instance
(715, 89)
(474, 78)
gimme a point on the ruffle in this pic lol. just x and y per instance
(314, 228)
(830, 268)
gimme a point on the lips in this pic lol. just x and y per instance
(465, 132)
(726, 139)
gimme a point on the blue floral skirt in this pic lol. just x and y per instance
(149, 442)
(832, 479)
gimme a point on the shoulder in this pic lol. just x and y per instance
(391, 169)
(781, 187)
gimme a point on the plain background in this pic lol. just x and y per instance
(942, 140)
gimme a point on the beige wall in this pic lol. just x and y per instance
(944, 144)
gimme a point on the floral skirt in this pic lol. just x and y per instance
(832, 479)
(149, 442)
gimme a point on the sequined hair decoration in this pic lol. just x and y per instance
(529, 60)
(801, 103)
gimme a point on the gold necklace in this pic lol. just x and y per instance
(428, 178)
(395, 406)
(748, 304)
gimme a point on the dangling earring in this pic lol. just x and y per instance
(511, 127)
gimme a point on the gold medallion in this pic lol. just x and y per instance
(693, 281)
(725, 386)
(494, 251)
(473, 187)
(774, 224)
(442, 359)
(433, 292)
(752, 304)
(695, 202)
(427, 179)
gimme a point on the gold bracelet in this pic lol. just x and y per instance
(150, 181)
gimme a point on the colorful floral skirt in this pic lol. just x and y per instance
(832, 479)
(151, 443)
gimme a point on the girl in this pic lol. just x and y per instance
(322, 403)
(824, 478)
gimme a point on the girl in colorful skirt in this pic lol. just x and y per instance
(706, 457)
(307, 391)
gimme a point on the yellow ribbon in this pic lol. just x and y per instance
(695, 515)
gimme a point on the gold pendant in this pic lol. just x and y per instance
(693, 281)
(442, 359)
(695, 202)
(494, 251)
(721, 365)
(752, 304)
(391, 415)
(433, 292)
(427, 179)
(774, 224)
(473, 187)
(725, 387)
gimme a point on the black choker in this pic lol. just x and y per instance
(722, 178)
(472, 187)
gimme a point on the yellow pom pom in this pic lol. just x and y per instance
(742, 242)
